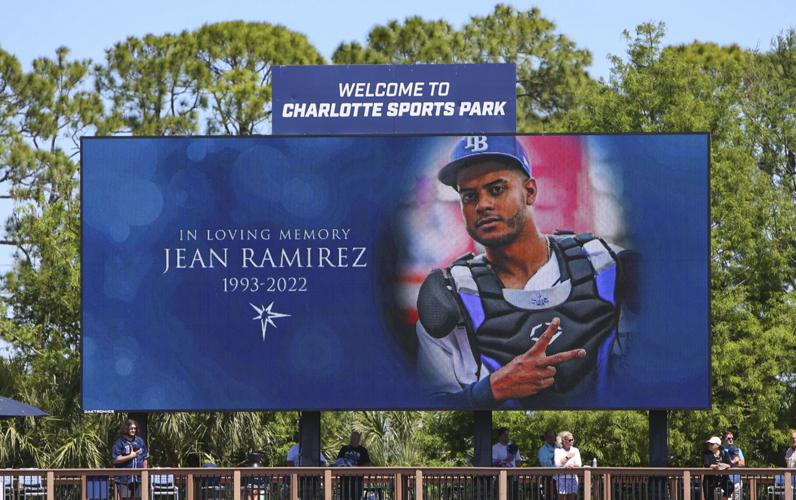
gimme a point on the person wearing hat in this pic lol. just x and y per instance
(716, 458)
(534, 313)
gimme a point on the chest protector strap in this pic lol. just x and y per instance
(503, 323)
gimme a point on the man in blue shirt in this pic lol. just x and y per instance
(129, 451)
(546, 456)
(737, 459)
(548, 449)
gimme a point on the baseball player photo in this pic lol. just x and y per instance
(533, 314)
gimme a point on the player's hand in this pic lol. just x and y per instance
(532, 371)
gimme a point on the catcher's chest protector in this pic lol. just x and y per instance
(503, 323)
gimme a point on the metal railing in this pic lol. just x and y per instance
(374, 483)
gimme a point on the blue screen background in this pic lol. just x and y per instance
(177, 341)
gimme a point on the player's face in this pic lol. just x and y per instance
(494, 200)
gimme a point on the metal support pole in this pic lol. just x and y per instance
(482, 439)
(659, 438)
(310, 438)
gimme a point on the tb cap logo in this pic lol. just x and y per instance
(476, 143)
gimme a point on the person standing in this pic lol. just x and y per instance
(716, 458)
(129, 451)
(567, 457)
(546, 456)
(546, 453)
(352, 455)
(736, 460)
(790, 462)
(503, 453)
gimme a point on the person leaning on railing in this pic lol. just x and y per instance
(737, 460)
(567, 457)
(716, 458)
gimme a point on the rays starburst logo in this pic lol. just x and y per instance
(266, 316)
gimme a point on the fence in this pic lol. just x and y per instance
(373, 483)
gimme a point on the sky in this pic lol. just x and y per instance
(36, 27)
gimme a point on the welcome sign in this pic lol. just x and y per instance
(402, 99)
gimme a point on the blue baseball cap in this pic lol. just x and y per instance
(476, 149)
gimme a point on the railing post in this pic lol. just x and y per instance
(398, 487)
(752, 482)
(189, 487)
(606, 485)
(502, 484)
(327, 484)
(50, 485)
(418, 484)
(294, 486)
(144, 484)
(788, 485)
(236, 485)
(686, 485)
(586, 484)
(83, 486)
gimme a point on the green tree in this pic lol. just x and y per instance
(550, 67)
(237, 59)
(700, 87)
(413, 41)
(53, 105)
(153, 85)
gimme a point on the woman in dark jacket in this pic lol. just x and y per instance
(716, 458)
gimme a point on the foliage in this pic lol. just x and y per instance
(150, 86)
(237, 60)
(704, 87)
(550, 67)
